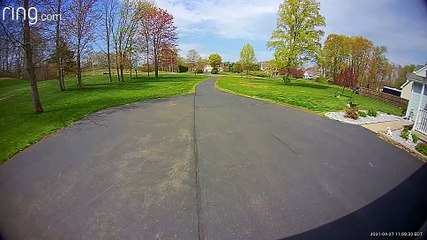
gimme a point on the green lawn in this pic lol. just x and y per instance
(20, 126)
(306, 94)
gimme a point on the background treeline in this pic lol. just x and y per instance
(115, 34)
(125, 32)
(356, 60)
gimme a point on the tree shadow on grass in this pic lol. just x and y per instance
(403, 209)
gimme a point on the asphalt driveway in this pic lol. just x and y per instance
(210, 166)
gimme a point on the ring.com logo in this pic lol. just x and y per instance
(32, 14)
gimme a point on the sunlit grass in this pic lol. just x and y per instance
(316, 97)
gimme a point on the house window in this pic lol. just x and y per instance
(417, 87)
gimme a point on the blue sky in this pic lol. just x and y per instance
(223, 26)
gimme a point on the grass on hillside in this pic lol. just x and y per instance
(20, 126)
(317, 97)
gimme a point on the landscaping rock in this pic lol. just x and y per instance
(382, 117)
(396, 137)
(407, 145)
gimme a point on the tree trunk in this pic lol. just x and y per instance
(148, 57)
(118, 73)
(130, 71)
(156, 63)
(62, 74)
(110, 78)
(136, 71)
(286, 78)
(156, 67)
(108, 47)
(122, 78)
(78, 56)
(30, 65)
(79, 69)
(117, 61)
(59, 76)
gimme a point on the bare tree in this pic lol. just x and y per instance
(81, 22)
(192, 58)
(24, 39)
(60, 76)
(124, 34)
(109, 19)
(163, 34)
(11, 42)
(29, 62)
(147, 9)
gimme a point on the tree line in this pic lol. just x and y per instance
(127, 31)
(347, 60)
(356, 60)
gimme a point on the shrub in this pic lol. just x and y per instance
(259, 74)
(214, 71)
(199, 71)
(404, 134)
(414, 138)
(346, 78)
(237, 67)
(321, 80)
(182, 69)
(296, 73)
(362, 114)
(422, 148)
(351, 112)
(286, 80)
(372, 113)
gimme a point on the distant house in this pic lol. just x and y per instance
(263, 66)
(406, 89)
(308, 75)
(417, 106)
(221, 68)
(207, 69)
(311, 72)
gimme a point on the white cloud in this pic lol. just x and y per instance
(226, 19)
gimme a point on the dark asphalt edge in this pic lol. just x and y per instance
(200, 225)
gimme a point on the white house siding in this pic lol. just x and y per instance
(415, 99)
(411, 111)
(406, 91)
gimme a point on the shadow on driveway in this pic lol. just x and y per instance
(403, 209)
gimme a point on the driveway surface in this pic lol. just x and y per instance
(210, 166)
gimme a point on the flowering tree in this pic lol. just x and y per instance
(347, 78)
(163, 34)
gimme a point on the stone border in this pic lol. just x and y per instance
(380, 118)
(413, 152)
